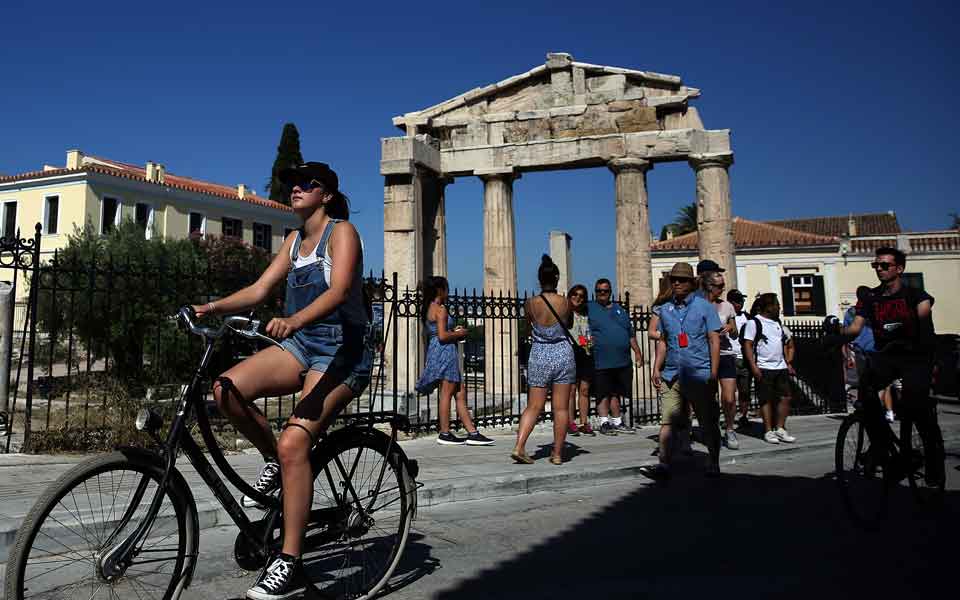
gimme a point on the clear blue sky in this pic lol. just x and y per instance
(834, 107)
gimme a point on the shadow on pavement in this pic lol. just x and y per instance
(740, 534)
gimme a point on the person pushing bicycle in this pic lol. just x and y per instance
(324, 356)
(901, 318)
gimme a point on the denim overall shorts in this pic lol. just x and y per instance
(332, 345)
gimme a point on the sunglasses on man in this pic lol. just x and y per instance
(675, 280)
(602, 290)
(882, 265)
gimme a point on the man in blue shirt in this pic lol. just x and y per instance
(685, 370)
(863, 342)
(612, 340)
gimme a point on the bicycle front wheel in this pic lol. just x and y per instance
(858, 473)
(363, 481)
(59, 549)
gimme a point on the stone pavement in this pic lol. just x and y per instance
(453, 473)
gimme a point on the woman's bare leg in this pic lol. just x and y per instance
(447, 388)
(584, 401)
(294, 454)
(728, 398)
(536, 399)
(561, 417)
(572, 405)
(270, 372)
(463, 411)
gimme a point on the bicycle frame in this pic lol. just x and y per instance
(178, 438)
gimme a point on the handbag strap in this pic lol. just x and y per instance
(557, 317)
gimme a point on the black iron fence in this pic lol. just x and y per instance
(89, 327)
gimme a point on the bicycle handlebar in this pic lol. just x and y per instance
(248, 327)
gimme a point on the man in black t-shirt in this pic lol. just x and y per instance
(902, 322)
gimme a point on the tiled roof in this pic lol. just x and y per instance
(752, 234)
(867, 224)
(126, 171)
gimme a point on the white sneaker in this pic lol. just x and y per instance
(770, 437)
(783, 436)
(889, 416)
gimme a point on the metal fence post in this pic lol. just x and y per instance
(6, 340)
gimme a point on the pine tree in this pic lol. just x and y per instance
(288, 155)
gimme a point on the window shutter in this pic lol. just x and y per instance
(786, 298)
(819, 296)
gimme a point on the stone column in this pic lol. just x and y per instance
(560, 253)
(435, 227)
(403, 254)
(714, 215)
(633, 229)
(501, 335)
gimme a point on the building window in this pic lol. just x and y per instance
(109, 214)
(10, 219)
(144, 219)
(232, 228)
(198, 224)
(803, 295)
(51, 214)
(914, 280)
(262, 236)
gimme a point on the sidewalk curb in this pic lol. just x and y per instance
(211, 514)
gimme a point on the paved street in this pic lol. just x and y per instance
(773, 525)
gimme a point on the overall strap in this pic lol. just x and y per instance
(325, 238)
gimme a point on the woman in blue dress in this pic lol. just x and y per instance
(441, 367)
(551, 365)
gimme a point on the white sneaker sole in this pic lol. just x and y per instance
(446, 443)
(255, 595)
(771, 441)
(786, 441)
(475, 443)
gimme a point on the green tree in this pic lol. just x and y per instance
(686, 220)
(111, 293)
(288, 155)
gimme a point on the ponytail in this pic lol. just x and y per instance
(430, 288)
(338, 207)
(548, 274)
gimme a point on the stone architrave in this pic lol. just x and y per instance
(501, 336)
(714, 214)
(633, 229)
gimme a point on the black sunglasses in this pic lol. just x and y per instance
(882, 265)
(602, 291)
(680, 280)
(307, 186)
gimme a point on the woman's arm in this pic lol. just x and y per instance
(257, 292)
(443, 334)
(653, 329)
(344, 249)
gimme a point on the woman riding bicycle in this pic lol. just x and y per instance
(902, 321)
(324, 356)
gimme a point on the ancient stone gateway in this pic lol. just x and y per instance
(560, 115)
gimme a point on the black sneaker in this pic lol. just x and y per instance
(268, 481)
(448, 439)
(624, 428)
(608, 428)
(282, 578)
(478, 439)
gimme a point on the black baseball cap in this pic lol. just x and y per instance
(308, 171)
(707, 265)
(736, 296)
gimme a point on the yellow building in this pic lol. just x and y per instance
(816, 265)
(104, 192)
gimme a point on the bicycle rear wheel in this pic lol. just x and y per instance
(861, 480)
(84, 516)
(358, 551)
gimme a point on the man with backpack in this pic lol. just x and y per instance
(769, 350)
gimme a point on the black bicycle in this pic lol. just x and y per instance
(870, 476)
(125, 524)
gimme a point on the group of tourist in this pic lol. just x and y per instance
(705, 344)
